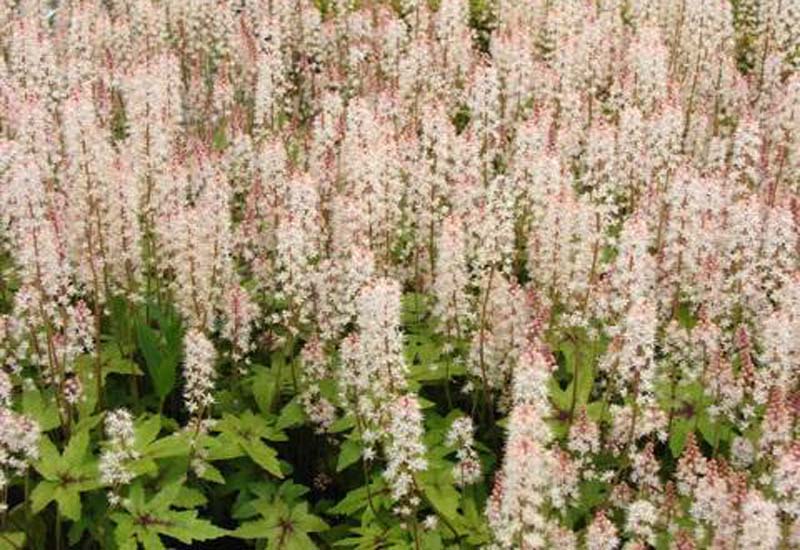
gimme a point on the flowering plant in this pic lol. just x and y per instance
(427, 274)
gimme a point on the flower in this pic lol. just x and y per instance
(120, 451)
(198, 372)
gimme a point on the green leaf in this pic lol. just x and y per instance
(677, 437)
(151, 541)
(291, 415)
(259, 529)
(264, 392)
(146, 430)
(358, 498)
(169, 446)
(437, 486)
(12, 540)
(306, 522)
(263, 455)
(210, 473)
(294, 540)
(190, 498)
(166, 496)
(124, 532)
(592, 493)
(432, 540)
(283, 528)
(349, 454)
(76, 449)
(44, 411)
(49, 459)
(69, 502)
(714, 431)
(42, 495)
(343, 424)
(161, 361)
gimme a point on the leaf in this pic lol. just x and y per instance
(146, 430)
(291, 415)
(677, 437)
(343, 424)
(12, 540)
(166, 496)
(42, 495)
(264, 382)
(190, 498)
(169, 446)
(259, 529)
(48, 459)
(432, 540)
(263, 455)
(160, 364)
(592, 493)
(76, 449)
(44, 411)
(113, 362)
(295, 540)
(123, 534)
(358, 498)
(714, 431)
(306, 522)
(69, 503)
(438, 488)
(210, 473)
(349, 454)
(283, 528)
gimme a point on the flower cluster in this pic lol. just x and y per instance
(115, 458)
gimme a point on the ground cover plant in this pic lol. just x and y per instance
(408, 274)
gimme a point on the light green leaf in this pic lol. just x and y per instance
(44, 411)
(12, 540)
(187, 527)
(259, 529)
(147, 430)
(210, 473)
(76, 449)
(172, 445)
(69, 502)
(263, 455)
(42, 495)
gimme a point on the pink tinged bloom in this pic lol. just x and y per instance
(380, 339)
(532, 475)
(602, 534)
(650, 58)
(787, 480)
(451, 279)
(316, 368)
(19, 444)
(761, 526)
(195, 240)
(506, 315)
(584, 435)
(405, 450)
(641, 520)
(777, 424)
(468, 468)
(198, 373)
(239, 314)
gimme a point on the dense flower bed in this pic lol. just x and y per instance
(429, 274)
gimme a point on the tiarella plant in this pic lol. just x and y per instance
(389, 274)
